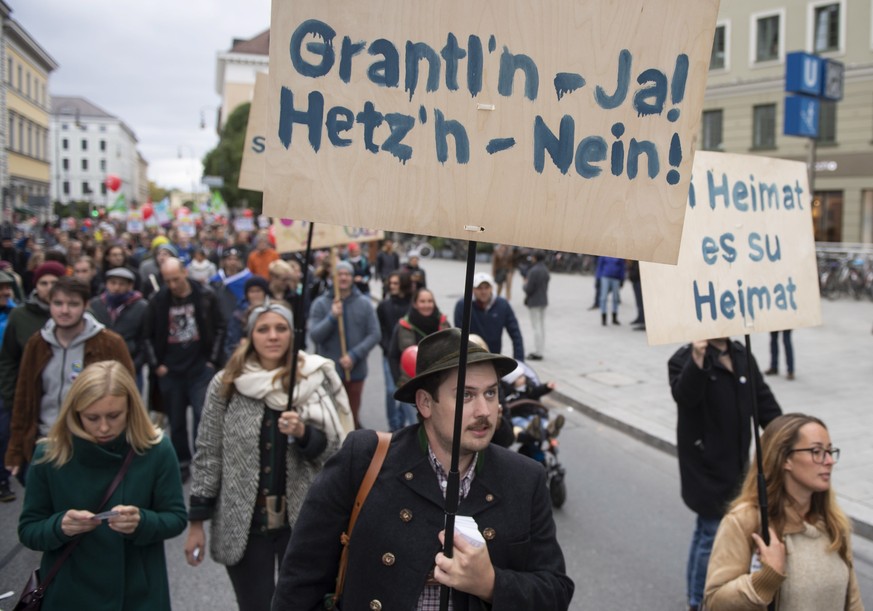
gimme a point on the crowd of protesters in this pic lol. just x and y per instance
(101, 327)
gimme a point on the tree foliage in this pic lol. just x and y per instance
(225, 160)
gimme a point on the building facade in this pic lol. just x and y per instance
(235, 72)
(25, 116)
(87, 145)
(744, 108)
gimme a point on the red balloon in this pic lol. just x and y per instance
(87, 222)
(147, 210)
(407, 360)
(113, 182)
(248, 213)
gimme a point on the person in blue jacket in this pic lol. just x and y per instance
(611, 273)
(490, 316)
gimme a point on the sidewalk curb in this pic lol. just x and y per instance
(859, 527)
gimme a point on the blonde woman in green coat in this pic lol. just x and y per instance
(119, 562)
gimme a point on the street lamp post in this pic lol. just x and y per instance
(191, 168)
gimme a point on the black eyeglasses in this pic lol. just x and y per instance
(818, 454)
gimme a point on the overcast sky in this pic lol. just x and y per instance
(150, 63)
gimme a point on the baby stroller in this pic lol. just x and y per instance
(536, 431)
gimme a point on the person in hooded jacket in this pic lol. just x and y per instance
(389, 311)
(70, 341)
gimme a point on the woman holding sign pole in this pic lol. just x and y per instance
(808, 562)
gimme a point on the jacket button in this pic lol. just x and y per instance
(268, 445)
(489, 533)
(375, 605)
(267, 469)
(405, 515)
(407, 476)
(388, 559)
(489, 498)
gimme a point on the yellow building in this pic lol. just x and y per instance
(26, 71)
(744, 106)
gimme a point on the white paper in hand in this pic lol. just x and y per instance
(466, 527)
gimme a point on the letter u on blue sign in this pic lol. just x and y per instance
(803, 73)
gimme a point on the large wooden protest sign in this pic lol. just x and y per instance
(291, 235)
(251, 171)
(747, 261)
(562, 124)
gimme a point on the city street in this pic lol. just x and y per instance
(623, 529)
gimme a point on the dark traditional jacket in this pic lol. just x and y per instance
(536, 286)
(714, 425)
(108, 570)
(24, 426)
(395, 540)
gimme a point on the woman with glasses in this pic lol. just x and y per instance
(808, 562)
(255, 458)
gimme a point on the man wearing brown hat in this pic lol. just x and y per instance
(395, 559)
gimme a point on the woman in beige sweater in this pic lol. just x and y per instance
(808, 563)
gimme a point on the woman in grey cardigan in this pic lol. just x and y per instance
(255, 459)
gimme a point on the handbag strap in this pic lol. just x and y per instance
(72, 545)
(366, 484)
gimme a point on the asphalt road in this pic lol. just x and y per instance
(623, 529)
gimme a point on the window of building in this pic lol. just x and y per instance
(102, 188)
(767, 37)
(65, 126)
(65, 163)
(84, 144)
(103, 146)
(712, 130)
(102, 165)
(86, 188)
(29, 149)
(65, 144)
(9, 71)
(19, 77)
(66, 187)
(27, 85)
(21, 135)
(718, 58)
(764, 126)
(827, 123)
(826, 27)
(84, 165)
(11, 133)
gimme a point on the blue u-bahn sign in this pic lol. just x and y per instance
(813, 79)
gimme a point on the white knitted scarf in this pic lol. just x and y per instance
(334, 415)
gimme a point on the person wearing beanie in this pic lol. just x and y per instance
(257, 291)
(360, 332)
(23, 322)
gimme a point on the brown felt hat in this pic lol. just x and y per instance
(441, 351)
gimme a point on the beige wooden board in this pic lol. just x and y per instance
(747, 261)
(502, 192)
(291, 235)
(251, 171)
